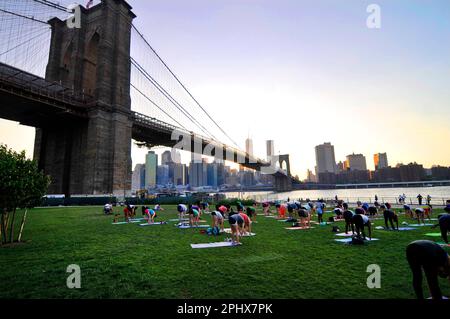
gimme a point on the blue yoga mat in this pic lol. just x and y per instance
(348, 240)
(155, 223)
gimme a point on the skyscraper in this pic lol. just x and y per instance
(270, 149)
(179, 174)
(356, 162)
(162, 176)
(138, 178)
(380, 160)
(151, 166)
(325, 159)
(166, 158)
(249, 146)
(198, 174)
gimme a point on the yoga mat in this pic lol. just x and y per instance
(188, 226)
(421, 225)
(399, 229)
(137, 219)
(271, 216)
(344, 234)
(299, 228)
(348, 240)
(179, 220)
(156, 223)
(433, 234)
(228, 231)
(215, 245)
(283, 220)
(123, 223)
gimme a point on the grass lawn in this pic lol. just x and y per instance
(128, 261)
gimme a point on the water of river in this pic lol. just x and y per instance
(438, 194)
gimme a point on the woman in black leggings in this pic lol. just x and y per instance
(348, 215)
(390, 216)
(435, 262)
(361, 221)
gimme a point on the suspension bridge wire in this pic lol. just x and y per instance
(182, 85)
(61, 8)
(171, 99)
(25, 42)
(23, 16)
(151, 101)
(51, 4)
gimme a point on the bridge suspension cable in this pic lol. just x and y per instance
(183, 86)
(170, 98)
(24, 35)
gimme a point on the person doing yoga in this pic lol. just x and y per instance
(435, 262)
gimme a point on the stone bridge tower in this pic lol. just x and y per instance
(284, 183)
(91, 156)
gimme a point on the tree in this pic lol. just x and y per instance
(22, 186)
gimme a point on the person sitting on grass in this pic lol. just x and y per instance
(389, 215)
(236, 224)
(435, 262)
(444, 225)
(251, 212)
(150, 215)
(420, 215)
(158, 208)
(247, 223)
(217, 217)
(408, 211)
(348, 215)
(194, 217)
(360, 221)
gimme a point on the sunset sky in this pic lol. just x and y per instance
(307, 72)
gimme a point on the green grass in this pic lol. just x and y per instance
(128, 261)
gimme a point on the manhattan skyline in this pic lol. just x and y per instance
(302, 73)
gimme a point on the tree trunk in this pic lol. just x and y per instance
(2, 229)
(4, 226)
(11, 230)
(22, 225)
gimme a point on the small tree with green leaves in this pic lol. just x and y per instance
(22, 186)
